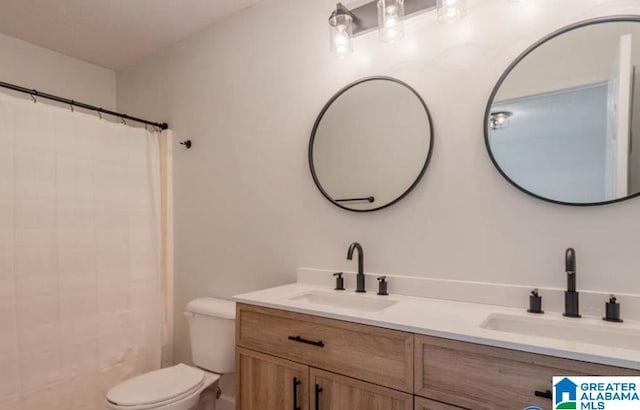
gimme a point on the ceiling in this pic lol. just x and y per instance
(110, 33)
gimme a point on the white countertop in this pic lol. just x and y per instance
(454, 320)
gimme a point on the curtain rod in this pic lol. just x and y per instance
(100, 110)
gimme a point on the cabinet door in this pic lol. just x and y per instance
(330, 391)
(426, 404)
(268, 383)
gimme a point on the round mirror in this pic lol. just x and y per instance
(371, 144)
(563, 122)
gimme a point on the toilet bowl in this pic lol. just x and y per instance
(183, 387)
(173, 388)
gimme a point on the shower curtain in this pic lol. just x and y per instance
(80, 256)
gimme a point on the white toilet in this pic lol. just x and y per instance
(182, 387)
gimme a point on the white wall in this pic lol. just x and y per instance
(32, 66)
(551, 68)
(247, 213)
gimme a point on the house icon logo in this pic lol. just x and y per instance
(565, 394)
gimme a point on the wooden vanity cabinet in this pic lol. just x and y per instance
(292, 361)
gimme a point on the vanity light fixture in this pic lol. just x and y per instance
(390, 16)
(450, 11)
(500, 120)
(387, 16)
(341, 31)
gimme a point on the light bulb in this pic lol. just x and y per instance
(342, 42)
(390, 20)
(500, 120)
(341, 31)
(450, 11)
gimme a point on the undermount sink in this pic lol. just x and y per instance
(566, 329)
(345, 301)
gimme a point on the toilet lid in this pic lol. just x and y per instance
(157, 386)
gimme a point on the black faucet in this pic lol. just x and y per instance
(571, 297)
(360, 275)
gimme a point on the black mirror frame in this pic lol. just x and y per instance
(321, 115)
(503, 77)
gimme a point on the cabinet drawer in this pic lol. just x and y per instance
(483, 377)
(369, 353)
(426, 404)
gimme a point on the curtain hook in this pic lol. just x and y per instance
(100, 113)
(71, 105)
(123, 121)
(33, 97)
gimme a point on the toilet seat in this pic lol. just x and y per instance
(158, 388)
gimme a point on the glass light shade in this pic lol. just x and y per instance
(390, 20)
(450, 11)
(341, 32)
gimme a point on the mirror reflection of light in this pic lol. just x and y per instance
(500, 120)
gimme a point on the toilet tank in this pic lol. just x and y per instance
(212, 329)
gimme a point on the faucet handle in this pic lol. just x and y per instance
(339, 281)
(535, 302)
(612, 310)
(382, 286)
